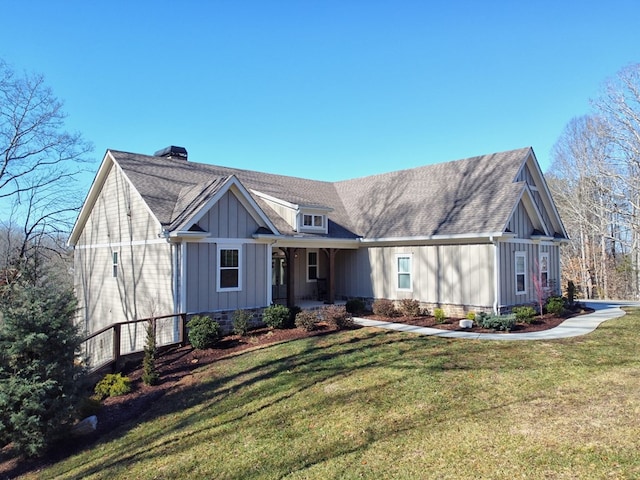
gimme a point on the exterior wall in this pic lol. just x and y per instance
(228, 223)
(520, 223)
(508, 295)
(289, 214)
(142, 287)
(449, 276)
(308, 290)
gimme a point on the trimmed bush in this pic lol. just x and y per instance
(203, 332)
(307, 320)
(555, 305)
(498, 322)
(439, 315)
(113, 385)
(355, 306)
(471, 316)
(275, 316)
(241, 319)
(409, 307)
(338, 316)
(524, 314)
(384, 307)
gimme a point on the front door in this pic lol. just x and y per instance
(279, 278)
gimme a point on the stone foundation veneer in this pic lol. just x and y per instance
(225, 318)
(450, 310)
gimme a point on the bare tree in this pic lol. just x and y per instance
(39, 163)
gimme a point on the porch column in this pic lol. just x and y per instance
(331, 280)
(290, 255)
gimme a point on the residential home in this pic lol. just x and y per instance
(162, 234)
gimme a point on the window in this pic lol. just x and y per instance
(312, 265)
(229, 277)
(521, 272)
(313, 221)
(115, 264)
(544, 270)
(403, 264)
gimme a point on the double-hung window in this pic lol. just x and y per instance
(544, 269)
(312, 265)
(229, 268)
(403, 272)
(115, 264)
(521, 272)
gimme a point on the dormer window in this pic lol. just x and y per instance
(313, 221)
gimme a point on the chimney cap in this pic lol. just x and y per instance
(171, 152)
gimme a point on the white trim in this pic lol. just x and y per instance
(496, 277)
(134, 243)
(460, 236)
(243, 196)
(236, 241)
(528, 241)
(317, 265)
(269, 274)
(398, 272)
(523, 255)
(276, 200)
(183, 277)
(239, 249)
(542, 255)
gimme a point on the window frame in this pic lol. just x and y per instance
(522, 255)
(544, 255)
(408, 273)
(115, 262)
(311, 265)
(219, 268)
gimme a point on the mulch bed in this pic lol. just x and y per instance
(176, 363)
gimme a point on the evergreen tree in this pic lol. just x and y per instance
(40, 373)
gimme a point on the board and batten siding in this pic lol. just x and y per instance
(441, 274)
(142, 286)
(227, 219)
(508, 295)
(520, 223)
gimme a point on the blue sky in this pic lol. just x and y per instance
(322, 89)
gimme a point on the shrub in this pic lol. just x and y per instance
(438, 313)
(410, 307)
(571, 292)
(384, 307)
(338, 316)
(275, 316)
(307, 320)
(241, 319)
(150, 375)
(498, 322)
(555, 305)
(524, 314)
(203, 332)
(355, 306)
(471, 316)
(113, 385)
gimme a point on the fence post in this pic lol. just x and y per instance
(116, 346)
(183, 329)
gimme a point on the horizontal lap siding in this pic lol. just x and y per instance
(143, 286)
(452, 274)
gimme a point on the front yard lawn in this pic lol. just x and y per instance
(377, 404)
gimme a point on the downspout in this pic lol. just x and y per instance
(183, 279)
(496, 275)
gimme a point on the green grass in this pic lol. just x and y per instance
(376, 404)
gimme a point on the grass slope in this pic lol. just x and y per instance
(376, 404)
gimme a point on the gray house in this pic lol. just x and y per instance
(161, 234)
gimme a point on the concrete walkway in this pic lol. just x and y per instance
(572, 327)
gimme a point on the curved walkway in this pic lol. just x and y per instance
(572, 327)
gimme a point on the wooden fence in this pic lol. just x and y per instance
(108, 345)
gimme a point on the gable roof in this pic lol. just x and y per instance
(470, 197)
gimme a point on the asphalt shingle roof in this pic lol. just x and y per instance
(470, 196)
